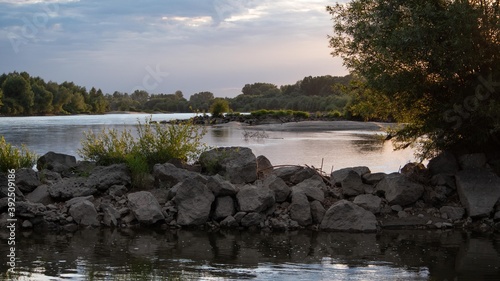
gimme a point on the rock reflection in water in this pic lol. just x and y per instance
(301, 255)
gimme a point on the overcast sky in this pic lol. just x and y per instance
(164, 46)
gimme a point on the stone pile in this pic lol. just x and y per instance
(234, 189)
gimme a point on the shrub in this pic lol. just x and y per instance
(301, 114)
(219, 107)
(12, 157)
(156, 143)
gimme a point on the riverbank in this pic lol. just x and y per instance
(232, 188)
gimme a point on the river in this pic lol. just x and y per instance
(158, 254)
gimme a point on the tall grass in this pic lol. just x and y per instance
(12, 157)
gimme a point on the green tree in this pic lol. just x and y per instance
(219, 107)
(260, 89)
(43, 99)
(432, 60)
(201, 101)
(18, 96)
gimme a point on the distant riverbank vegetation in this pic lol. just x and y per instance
(342, 97)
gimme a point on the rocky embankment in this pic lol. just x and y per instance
(232, 188)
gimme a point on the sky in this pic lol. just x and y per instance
(165, 46)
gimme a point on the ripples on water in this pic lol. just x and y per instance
(332, 149)
(232, 255)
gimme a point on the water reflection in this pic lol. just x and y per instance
(301, 255)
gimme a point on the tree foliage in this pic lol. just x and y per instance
(436, 61)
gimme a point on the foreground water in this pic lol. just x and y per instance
(194, 255)
(334, 149)
(302, 255)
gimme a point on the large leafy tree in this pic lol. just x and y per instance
(18, 96)
(438, 62)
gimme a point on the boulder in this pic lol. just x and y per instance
(347, 216)
(444, 163)
(264, 166)
(352, 184)
(102, 178)
(368, 202)
(221, 187)
(286, 173)
(255, 199)
(317, 211)
(29, 210)
(224, 207)
(117, 190)
(229, 222)
(75, 200)
(444, 180)
(312, 188)
(71, 187)
(110, 215)
(168, 175)
(194, 202)
(339, 175)
(300, 210)
(278, 186)
(472, 161)
(27, 180)
(56, 162)
(161, 195)
(238, 164)
(145, 207)
(84, 213)
(302, 174)
(49, 177)
(373, 178)
(400, 190)
(252, 219)
(452, 213)
(478, 190)
(40, 195)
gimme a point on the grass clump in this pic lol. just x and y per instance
(155, 143)
(12, 157)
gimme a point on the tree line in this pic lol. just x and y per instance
(22, 94)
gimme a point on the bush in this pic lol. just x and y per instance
(156, 143)
(219, 107)
(14, 158)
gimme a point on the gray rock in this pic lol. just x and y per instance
(238, 216)
(396, 208)
(224, 207)
(478, 190)
(40, 195)
(27, 180)
(399, 190)
(278, 224)
(301, 175)
(300, 210)
(56, 162)
(472, 161)
(252, 219)
(168, 175)
(339, 175)
(161, 195)
(29, 210)
(145, 207)
(352, 184)
(229, 222)
(110, 215)
(312, 188)
(221, 187)
(444, 163)
(102, 178)
(84, 213)
(49, 177)
(435, 195)
(117, 190)
(264, 166)
(373, 178)
(368, 202)
(194, 202)
(27, 224)
(70, 188)
(238, 164)
(286, 173)
(75, 200)
(278, 186)
(347, 216)
(452, 213)
(317, 211)
(255, 199)
(444, 180)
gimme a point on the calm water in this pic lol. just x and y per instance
(192, 255)
(336, 149)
